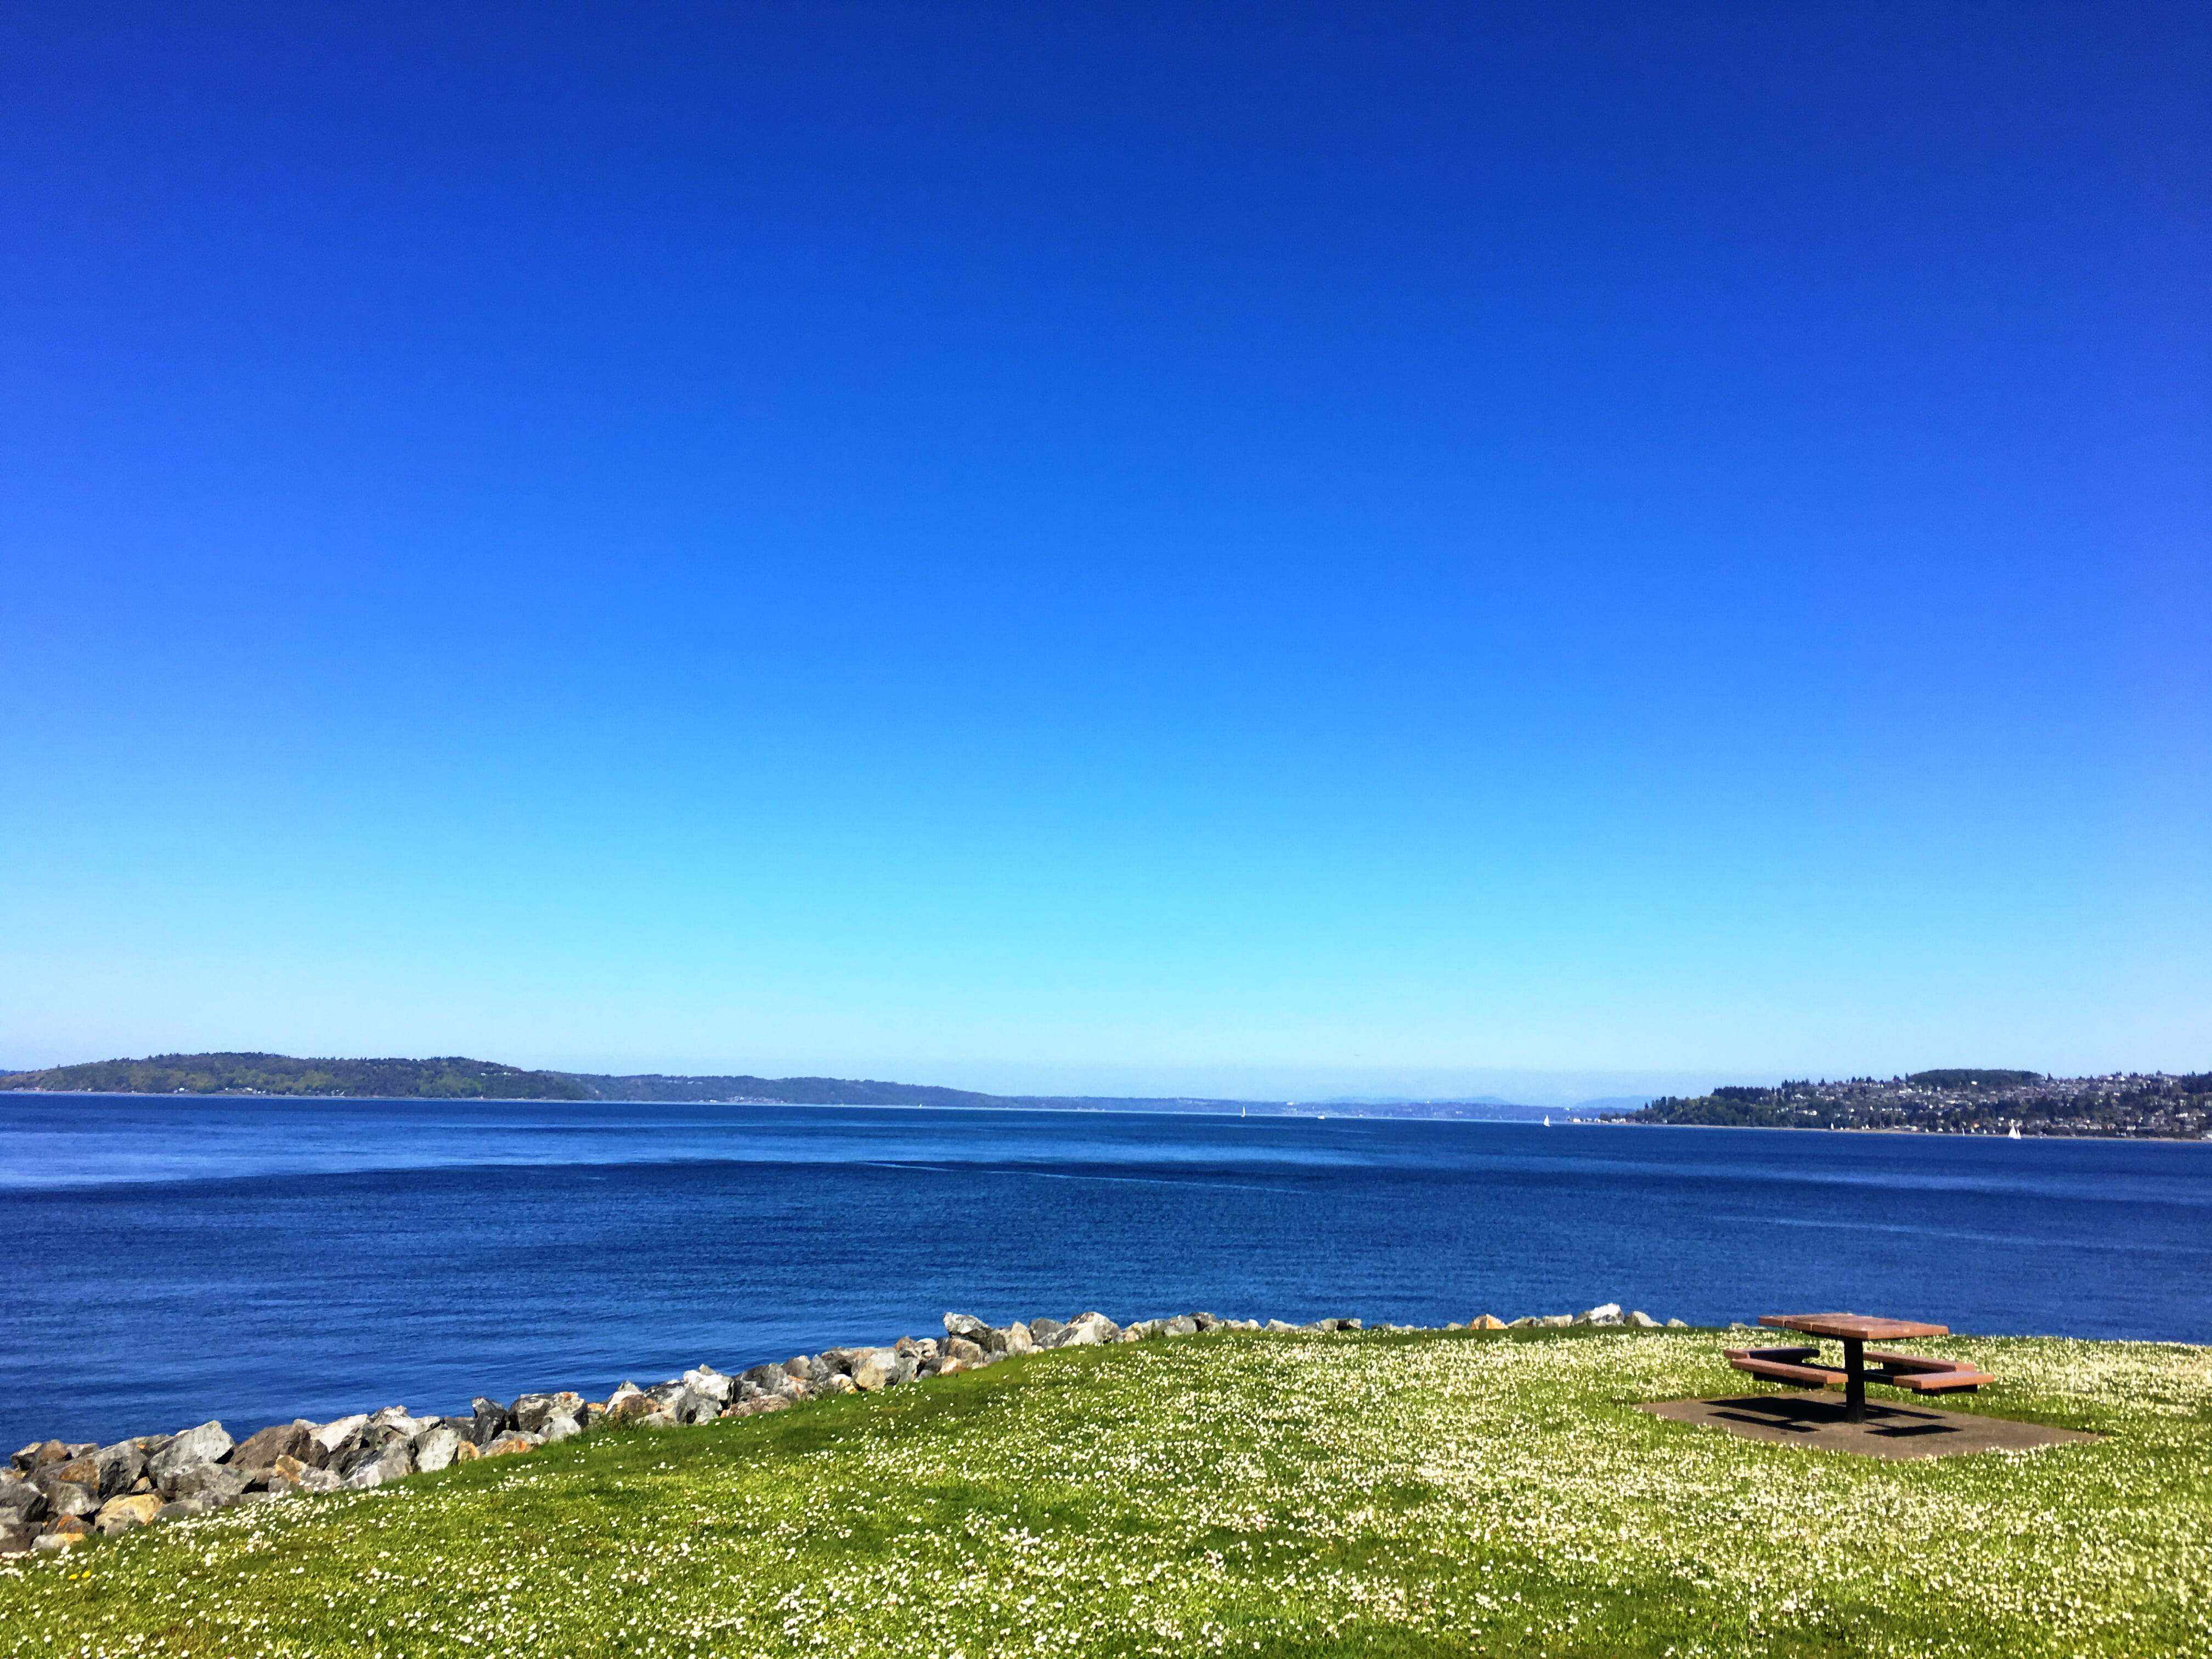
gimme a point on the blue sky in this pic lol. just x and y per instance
(1246, 548)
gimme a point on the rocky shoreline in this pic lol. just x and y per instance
(54, 1494)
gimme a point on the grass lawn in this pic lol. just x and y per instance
(1383, 1493)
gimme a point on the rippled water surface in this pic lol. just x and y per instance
(258, 1259)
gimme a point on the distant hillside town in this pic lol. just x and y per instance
(2131, 1105)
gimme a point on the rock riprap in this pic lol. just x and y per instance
(54, 1494)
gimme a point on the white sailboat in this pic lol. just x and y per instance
(1547, 1120)
(2014, 1132)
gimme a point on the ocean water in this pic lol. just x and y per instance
(255, 1260)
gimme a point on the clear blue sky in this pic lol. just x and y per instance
(1147, 545)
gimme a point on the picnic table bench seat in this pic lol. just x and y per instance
(1925, 1375)
(1786, 1365)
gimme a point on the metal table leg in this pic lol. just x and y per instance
(1854, 1380)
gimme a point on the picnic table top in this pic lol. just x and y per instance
(1861, 1327)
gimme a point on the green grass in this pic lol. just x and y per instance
(1379, 1494)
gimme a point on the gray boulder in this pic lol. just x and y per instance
(290, 1474)
(1642, 1320)
(532, 1411)
(1181, 1325)
(967, 1326)
(1045, 1332)
(691, 1406)
(436, 1448)
(119, 1465)
(883, 1368)
(218, 1482)
(332, 1440)
(1013, 1339)
(67, 1497)
(21, 1500)
(376, 1463)
(1678, 1324)
(207, 1443)
(560, 1428)
(1606, 1313)
(38, 1453)
(15, 1537)
(962, 1349)
(260, 1450)
(1280, 1325)
(1087, 1330)
(490, 1420)
(707, 1380)
(77, 1472)
(1557, 1320)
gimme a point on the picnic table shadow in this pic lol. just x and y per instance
(1892, 1431)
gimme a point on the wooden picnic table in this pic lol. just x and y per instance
(1854, 1331)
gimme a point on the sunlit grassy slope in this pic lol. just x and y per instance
(1439, 1493)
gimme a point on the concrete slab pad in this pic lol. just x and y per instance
(1892, 1431)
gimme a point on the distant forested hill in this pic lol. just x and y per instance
(456, 1078)
(451, 1077)
(794, 1090)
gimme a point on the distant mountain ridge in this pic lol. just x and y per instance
(454, 1077)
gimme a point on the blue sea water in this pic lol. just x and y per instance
(258, 1259)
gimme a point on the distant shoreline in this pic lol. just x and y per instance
(1137, 1109)
(1886, 1129)
(1368, 1115)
